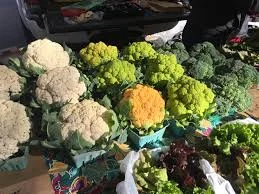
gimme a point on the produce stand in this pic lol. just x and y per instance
(141, 119)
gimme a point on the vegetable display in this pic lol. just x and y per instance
(101, 102)
(14, 127)
(143, 106)
(163, 69)
(96, 54)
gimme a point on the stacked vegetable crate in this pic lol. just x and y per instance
(89, 109)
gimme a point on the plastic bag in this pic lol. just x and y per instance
(161, 38)
(217, 182)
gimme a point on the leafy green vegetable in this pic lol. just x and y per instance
(235, 135)
(166, 187)
(251, 174)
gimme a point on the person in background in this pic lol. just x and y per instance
(215, 21)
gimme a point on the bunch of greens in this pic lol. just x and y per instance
(251, 173)
(235, 135)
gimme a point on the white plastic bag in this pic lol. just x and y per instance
(217, 182)
(244, 121)
(161, 38)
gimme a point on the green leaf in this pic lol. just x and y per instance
(17, 163)
(106, 102)
(36, 70)
(34, 104)
(51, 144)
(16, 65)
(123, 136)
(77, 142)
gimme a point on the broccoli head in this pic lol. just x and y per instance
(138, 51)
(247, 74)
(200, 68)
(230, 94)
(99, 53)
(208, 49)
(163, 69)
(116, 72)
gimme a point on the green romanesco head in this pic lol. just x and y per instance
(138, 51)
(116, 72)
(163, 69)
(188, 97)
(99, 53)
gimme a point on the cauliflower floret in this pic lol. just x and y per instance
(45, 54)
(96, 54)
(10, 83)
(14, 127)
(60, 85)
(87, 117)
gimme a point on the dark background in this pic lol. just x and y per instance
(12, 32)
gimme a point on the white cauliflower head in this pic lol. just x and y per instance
(10, 83)
(60, 85)
(14, 127)
(45, 54)
(89, 118)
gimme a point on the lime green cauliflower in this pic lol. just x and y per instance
(188, 97)
(116, 72)
(138, 51)
(99, 53)
(163, 69)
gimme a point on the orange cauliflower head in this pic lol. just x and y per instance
(143, 106)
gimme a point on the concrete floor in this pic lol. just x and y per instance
(11, 29)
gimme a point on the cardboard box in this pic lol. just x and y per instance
(32, 180)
